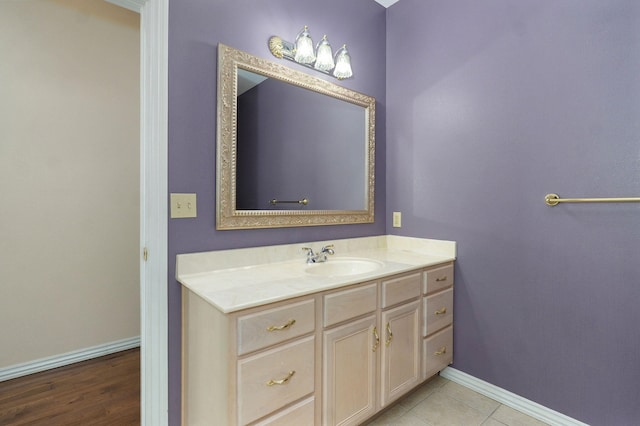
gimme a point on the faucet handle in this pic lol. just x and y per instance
(328, 249)
(309, 251)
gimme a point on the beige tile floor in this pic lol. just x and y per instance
(441, 402)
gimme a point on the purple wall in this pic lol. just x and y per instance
(195, 29)
(491, 105)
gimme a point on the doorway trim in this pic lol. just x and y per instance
(154, 327)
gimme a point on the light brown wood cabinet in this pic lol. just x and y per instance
(400, 365)
(253, 366)
(332, 358)
(350, 362)
(349, 372)
(438, 319)
(371, 361)
(400, 327)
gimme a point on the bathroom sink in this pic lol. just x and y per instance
(339, 267)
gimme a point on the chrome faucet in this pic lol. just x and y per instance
(319, 257)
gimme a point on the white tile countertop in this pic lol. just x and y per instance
(237, 279)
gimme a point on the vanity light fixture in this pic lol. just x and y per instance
(324, 59)
(320, 59)
(304, 53)
(343, 64)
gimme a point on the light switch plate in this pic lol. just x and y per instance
(183, 205)
(397, 219)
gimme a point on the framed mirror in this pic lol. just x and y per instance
(292, 149)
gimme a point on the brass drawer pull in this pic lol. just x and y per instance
(442, 278)
(389, 335)
(282, 381)
(442, 351)
(441, 311)
(375, 336)
(282, 327)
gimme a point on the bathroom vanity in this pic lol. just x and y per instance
(270, 339)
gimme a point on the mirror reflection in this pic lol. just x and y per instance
(292, 149)
(294, 144)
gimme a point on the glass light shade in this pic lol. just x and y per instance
(324, 59)
(343, 64)
(304, 47)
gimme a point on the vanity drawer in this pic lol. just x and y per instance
(265, 328)
(438, 352)
(438, 278)
(400, 289)
(272, 379)
(350, 303)
(302, 413)
(438, 311)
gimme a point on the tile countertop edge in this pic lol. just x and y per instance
(236, 287)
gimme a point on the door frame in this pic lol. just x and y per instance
(154, 328)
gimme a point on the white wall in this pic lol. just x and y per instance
(69, 177)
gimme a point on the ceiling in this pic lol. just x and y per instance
(387, 3)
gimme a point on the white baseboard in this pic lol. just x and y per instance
(510, 399)
(56, 361)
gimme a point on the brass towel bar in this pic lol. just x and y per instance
(554, 199)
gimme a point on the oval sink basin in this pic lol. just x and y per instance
(343, 266)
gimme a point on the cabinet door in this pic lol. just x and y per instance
(401, 344)
(349, 372)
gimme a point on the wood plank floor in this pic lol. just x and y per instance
(101, 391)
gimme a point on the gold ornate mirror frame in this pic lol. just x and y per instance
(228, 217)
